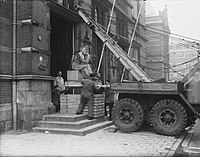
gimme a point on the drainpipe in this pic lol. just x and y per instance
(14, 83)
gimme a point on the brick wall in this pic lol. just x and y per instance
(33, 96)
(5, 106)
(36, 35)
(6, 9)
(69, 104)
(5, 37)
(5, 117)
(5, 65)
(35, 101)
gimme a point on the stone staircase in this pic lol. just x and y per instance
(71, 124)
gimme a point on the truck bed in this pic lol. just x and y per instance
(146, 87)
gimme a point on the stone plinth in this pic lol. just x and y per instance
(34, 101)
(5, 117)
(69, 104)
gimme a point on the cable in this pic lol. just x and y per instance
(162, 70)
(151, 28)
(186, 62)
(140, 32)
(151, 36)
(173, 33)
(164, 63)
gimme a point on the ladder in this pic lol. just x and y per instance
(129, 63)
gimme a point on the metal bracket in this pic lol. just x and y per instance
(29, 49)
(189, 105)
(29, 22)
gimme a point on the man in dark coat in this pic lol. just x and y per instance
(87, 94)
(56, 97)
(109, 100)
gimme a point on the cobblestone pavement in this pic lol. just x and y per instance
(101, 143)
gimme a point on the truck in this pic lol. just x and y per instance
(166, 106)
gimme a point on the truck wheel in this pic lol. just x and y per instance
(168, 117)
(128, 115)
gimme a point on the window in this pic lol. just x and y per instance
(193, 55)
(102, 18)
(179, 55)
(171, 55)
(95, 14)
(122, 28)
(187, 55)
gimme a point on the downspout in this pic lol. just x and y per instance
(14, 83)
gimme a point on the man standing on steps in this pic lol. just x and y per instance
(58, 88)
(59, 81)
(87, 94)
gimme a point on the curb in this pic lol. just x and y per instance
(184, 149)
(178, 144)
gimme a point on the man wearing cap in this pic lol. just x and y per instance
(87, 94)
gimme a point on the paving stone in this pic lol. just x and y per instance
(99, 143)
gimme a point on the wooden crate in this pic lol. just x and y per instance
(69, 104)
(98, 106)
(74, 75)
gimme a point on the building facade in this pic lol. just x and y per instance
(39, 37)
(182, 60)
(158, 46)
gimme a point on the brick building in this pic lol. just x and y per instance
(39, 37)
(158, 45)
(182, 58)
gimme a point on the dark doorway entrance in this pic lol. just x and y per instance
(61, 45)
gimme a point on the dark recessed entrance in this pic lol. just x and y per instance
(61, 44)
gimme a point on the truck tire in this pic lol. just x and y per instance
(128, 115)
(168, 117)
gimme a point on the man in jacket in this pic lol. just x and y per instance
(58, 88)
(109, 100)
(87, 94)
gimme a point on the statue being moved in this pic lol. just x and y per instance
(81, 60)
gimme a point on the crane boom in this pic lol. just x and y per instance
(129, 63)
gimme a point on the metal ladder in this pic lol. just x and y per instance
(129, 63)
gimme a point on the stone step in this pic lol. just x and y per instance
(64, 117)
(79, 132)
(70, 125)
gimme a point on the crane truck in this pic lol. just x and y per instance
(166, 106)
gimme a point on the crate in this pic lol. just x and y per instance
(69, 104)
(74, 75)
